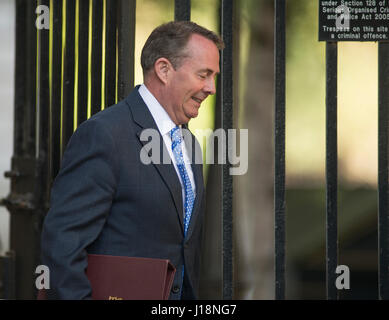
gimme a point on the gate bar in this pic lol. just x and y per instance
(279, 148)
(21, 96)
(97, 38)
(110, 53)
(82, 60)
(383, 163)
(23, 160)
(331, 168)
(226, 90)
(55, 87)
(30, 37)
(68, 75)
(182, 10)
(43, 104)
(126, 47)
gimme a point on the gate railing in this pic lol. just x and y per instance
(85, 63)
(81, 64)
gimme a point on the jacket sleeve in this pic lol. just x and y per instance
(81, 198)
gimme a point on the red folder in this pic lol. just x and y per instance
(128, 278)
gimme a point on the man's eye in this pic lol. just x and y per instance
(202, 76)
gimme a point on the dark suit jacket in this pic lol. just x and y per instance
(106, 201)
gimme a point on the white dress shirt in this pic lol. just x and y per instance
(165, 125)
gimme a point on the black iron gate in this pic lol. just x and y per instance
(331, 162)
(53, 95)
(49, 106)
(50, 102)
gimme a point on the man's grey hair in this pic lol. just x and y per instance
(169, 41)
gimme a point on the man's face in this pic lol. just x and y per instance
(193, 80)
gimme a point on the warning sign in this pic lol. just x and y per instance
(354, 20)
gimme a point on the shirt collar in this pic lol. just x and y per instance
(161, 117)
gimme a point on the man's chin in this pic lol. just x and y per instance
(189, 116)
(193, 115)
(194, 112)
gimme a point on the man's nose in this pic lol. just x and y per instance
(210, 86)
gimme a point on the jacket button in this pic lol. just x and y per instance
(176, 289)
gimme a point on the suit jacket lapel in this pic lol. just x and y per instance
(197, 169)
(144, 119)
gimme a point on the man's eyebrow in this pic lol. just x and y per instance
(209, 71)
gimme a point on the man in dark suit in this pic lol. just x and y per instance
(106, 200)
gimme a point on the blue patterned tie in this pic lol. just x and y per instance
(189, 195)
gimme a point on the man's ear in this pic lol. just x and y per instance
(162, 68)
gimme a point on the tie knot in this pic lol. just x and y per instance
(175, 135)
